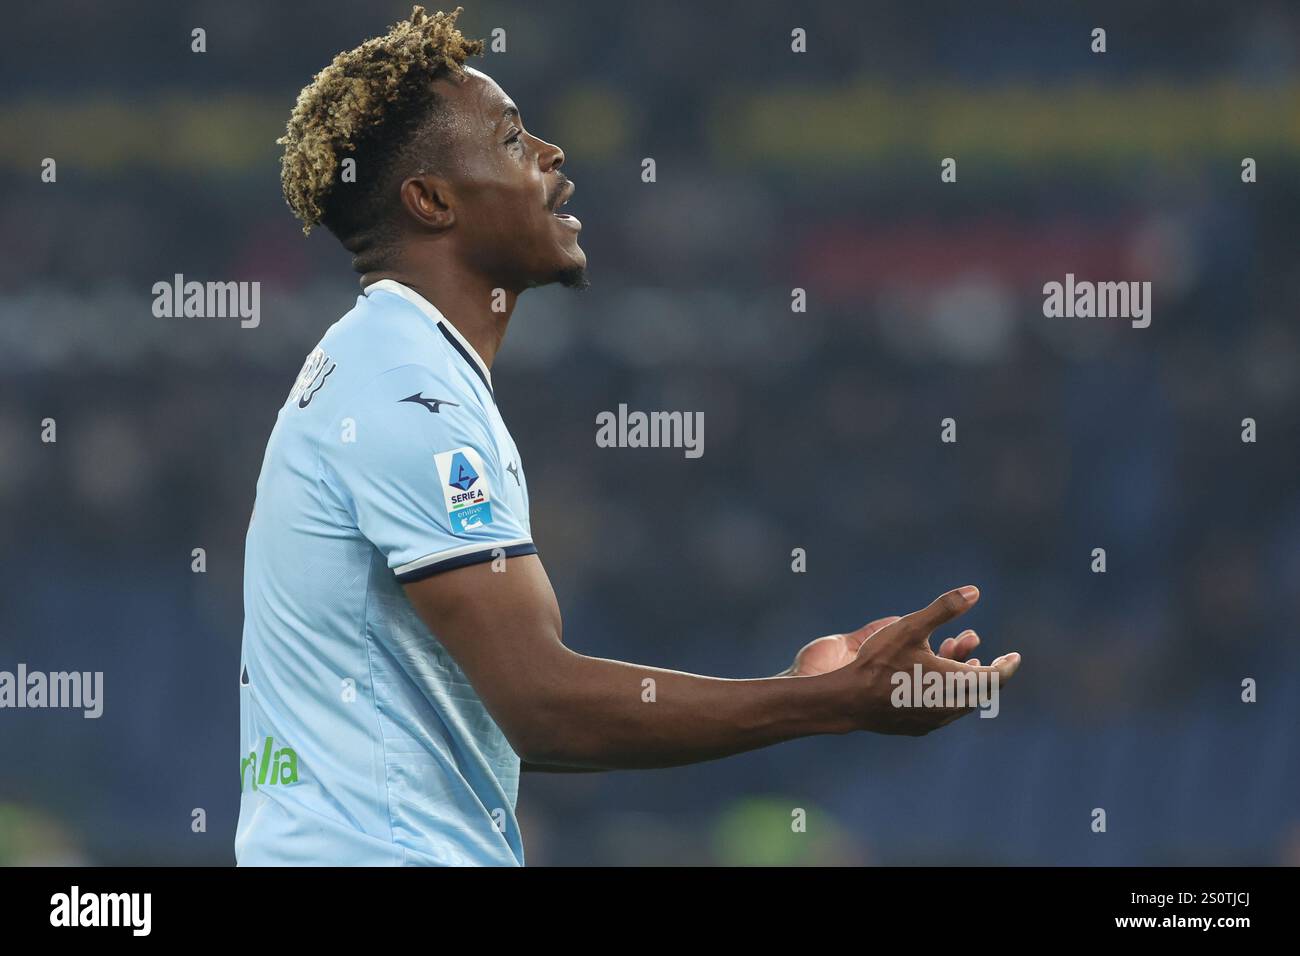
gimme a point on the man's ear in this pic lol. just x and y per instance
(430, 201)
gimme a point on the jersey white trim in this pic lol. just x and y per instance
(429, 309)
(452, 553)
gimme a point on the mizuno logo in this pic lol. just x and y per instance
(432, 404)
(513, 468)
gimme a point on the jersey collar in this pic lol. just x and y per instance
(449, 331)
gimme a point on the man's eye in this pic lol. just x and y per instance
(514, 138)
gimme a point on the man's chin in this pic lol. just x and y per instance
(574, 278)
(571, 274)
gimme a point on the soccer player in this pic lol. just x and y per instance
(402, 647)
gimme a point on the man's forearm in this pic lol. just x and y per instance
(591, 713)
(559, 708)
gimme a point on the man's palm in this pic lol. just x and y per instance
(832, 652)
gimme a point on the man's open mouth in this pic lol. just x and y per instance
(565, 194)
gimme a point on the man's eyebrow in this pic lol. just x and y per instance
(510, 112)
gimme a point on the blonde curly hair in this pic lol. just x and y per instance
(373, 99)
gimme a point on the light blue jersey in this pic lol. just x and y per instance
(363, 742)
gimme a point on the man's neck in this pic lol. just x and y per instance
(479, 311)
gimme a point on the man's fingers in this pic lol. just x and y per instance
(942, 610)
(959, 648)
(1006, 665)
(961, 697)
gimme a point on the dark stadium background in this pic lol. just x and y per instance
(775, 171)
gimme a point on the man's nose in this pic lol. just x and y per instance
(550, 157)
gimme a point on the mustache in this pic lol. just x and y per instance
(560, 186)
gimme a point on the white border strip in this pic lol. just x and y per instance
(429, 559)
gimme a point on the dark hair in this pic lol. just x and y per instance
(375, 105)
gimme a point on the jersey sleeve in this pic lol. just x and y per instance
(416, 466)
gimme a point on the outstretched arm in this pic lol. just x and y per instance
(561, 708)
(821, 656)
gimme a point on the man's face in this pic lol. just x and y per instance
(507, 189)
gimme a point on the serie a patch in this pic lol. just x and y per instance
(464, 489)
